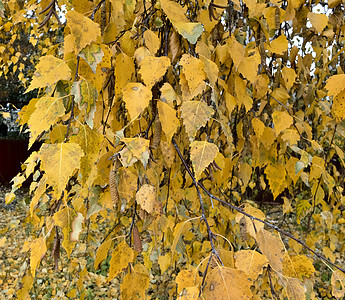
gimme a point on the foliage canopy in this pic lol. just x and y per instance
(166, 123)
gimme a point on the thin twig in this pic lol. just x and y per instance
(252, 217)
(195, 182)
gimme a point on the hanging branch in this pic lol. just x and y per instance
(249, 215)
(92, 17)
(203, 214)
(51, 8)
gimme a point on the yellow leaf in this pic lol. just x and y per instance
(38, 249)
(211, 70)
(202, 154)
(190, 31)
(338, 107)
(195, 114)
(85, 95)
(289, 76)
(189, 293)
(48, 71)
(146, 197)
(25, 113)
(137, 149)
(291, 136)
(294, 288)
(102, 253)
(251, 262)
(137, 98)
(272, 247)
(89, 141)
(59, 161)
(139, 55)
(9, 197)
(83, 29)
(48, 111)
(127, 183)
(123, 71)
(93, 55)
(135, 283)
(242, 95)
(167, 116)
(249, 65)
(245, 172)
(281, 95)
(64, 217)
(335, 84)
(224, 283)
(152, 41)
(252, 227)
(259, 127)
(236, 51)
(164, 261)
(2, 241)
(176, 15)
(338, 284)
(281, 120)
(179, 229)
(168, 94)
(185, 278)
(27, 282)
(319, 21)
(276, 177)
(174, 11)
(230, 102)
(279, 45)
(121, 256)
(287, 208)
(193, 69)
(153, 68)
(298, 266)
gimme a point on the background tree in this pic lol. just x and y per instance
(167, 124)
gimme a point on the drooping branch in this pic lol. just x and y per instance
(249, 215)
(203, 214)
(51, 8)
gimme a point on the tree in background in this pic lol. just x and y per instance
(166, 124)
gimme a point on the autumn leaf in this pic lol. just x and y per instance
(59, 161)
(251, 262)
(281, 120)
(272, 247)
(319, 21)
(227, 283)
(176, 14)
(102, 253)
(84, 30)
(137, 149)
(120, 258)
(137, 98)
(49, 70)
(93, 55)
(335, 84)
(38, 250)
(195, 114)
(146, 197)
(202, 154)
(153, 68)
(135, 283)
(167, 116)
